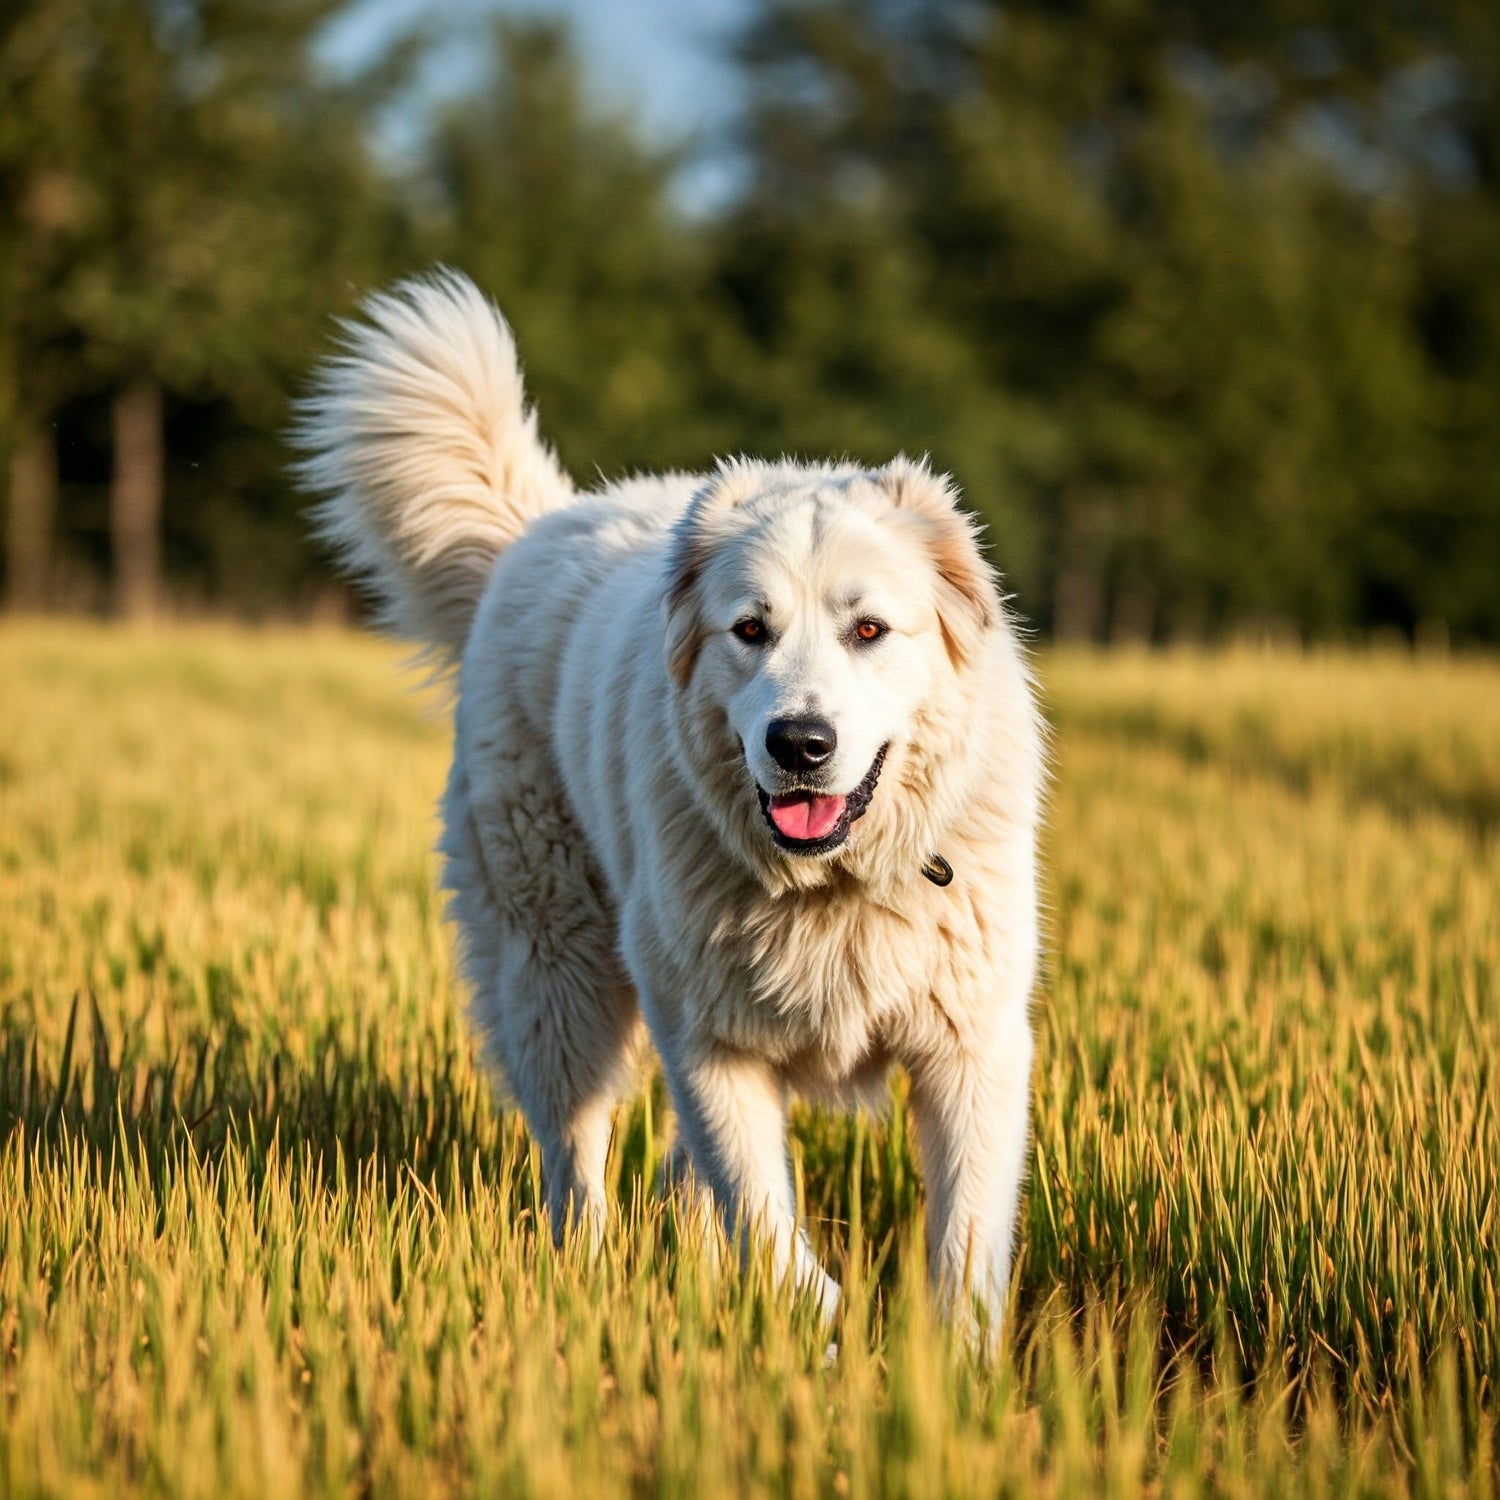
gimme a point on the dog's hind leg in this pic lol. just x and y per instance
(564, 1041)
(552, 1006)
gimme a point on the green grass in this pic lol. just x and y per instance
(263, 1230)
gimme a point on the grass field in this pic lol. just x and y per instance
(264, 1233)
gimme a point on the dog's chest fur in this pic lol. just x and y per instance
(822, 982)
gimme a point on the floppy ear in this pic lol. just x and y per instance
(692, 542)
(684, 634)
(968, 601)
(731, 483)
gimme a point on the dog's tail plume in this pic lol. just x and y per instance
(418, 435)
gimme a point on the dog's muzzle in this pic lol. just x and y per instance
(810, 822)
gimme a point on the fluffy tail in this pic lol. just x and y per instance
(419, 436)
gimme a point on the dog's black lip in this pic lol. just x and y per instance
(855, 803)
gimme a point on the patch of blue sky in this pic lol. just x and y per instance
(665, 62)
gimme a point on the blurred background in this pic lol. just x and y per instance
(1200, 302)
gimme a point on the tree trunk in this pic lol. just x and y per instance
(33, 505)
(1078, 600)
(135, 498)
(1134, 621)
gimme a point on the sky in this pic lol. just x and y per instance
(662, 59)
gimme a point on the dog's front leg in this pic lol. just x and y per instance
(731, 1110)
(970, 1111)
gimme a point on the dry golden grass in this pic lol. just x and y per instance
(263, 1232)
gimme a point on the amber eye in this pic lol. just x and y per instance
(869, 630)
(751, 631)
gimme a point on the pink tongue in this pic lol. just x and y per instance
(805, 815)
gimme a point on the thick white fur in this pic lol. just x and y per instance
(420, 435)
(605, 848)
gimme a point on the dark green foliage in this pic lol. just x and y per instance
(185, 202)
(559, 213)
(1199, 303)
(1205, 265)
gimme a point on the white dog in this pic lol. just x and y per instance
(752, 755)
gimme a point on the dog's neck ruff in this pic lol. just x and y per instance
(937, 870)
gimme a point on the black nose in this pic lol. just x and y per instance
(800, 744)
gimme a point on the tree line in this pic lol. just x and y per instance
(1199, 303)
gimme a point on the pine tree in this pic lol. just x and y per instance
(220, 208)
(559, 210)
(1223, 299)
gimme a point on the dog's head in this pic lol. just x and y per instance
(821, 625)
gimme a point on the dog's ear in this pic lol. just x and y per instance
(693, 539)
(692, 542)
(684, 634)
(968, 600)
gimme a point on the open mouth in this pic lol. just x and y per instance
(809, 822)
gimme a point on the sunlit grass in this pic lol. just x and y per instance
(264, 1232)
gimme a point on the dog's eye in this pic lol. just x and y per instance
(869, 630)
(751, 631)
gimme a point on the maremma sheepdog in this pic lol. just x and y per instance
(751, 758)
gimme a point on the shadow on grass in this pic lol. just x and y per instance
(336, 1101)
(1399, 783)
(344, 1105)
(342, 1108)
